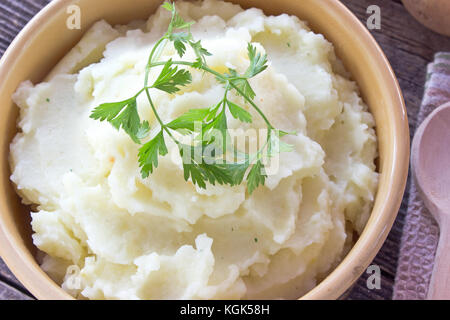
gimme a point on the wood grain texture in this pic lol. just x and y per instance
(8, 292)
(409, 47)
(7, 277)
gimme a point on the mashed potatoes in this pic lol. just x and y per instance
(109, 234)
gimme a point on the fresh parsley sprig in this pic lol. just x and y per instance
(209, 167)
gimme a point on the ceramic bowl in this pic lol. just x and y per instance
(46, 39)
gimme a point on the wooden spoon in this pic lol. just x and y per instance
(430, 161)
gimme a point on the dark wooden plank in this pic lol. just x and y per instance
(10, 293)
(7, 276)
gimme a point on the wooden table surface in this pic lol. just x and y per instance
(408, 46)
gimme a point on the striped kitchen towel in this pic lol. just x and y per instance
(420, 232)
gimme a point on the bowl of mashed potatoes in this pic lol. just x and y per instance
(78, 221)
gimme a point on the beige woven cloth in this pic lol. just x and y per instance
(420, 232)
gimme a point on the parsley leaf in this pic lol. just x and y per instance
(236, 171)
(199, 50)
(179, 40)
(211, 172)
(258, 62)
(241, 83)
(168, 6)
(121, 114)
(213, 111)
(191, 170)
(170, 78)
(215, 174)
(108, 111)
(216, 131)
(144, 130)
(244, 87)
(188, 119)
(177, 21)
(239, 113)
(149, 152)
(198, 64)
(256, 176)
(128, 119)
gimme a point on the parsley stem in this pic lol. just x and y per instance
(150, 62)
(160, 46)
(163, 126)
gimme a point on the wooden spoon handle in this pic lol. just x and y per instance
(440, 279)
